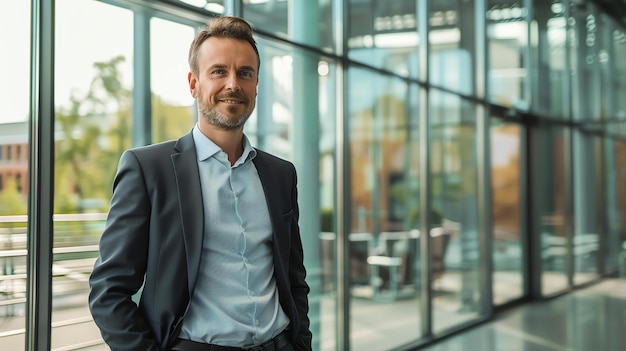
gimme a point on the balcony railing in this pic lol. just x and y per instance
(74, 251)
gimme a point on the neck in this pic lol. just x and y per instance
(230, 141)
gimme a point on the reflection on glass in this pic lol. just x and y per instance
(214, 6)
(587, 210)
(508, 203)
(452, 45)
(14, 99)
(384, 198)
(92, 127)
(172, 104)
(384, 34)
(616, 196)
(309, 22)
(552, 191)
(456, 298)
(618, 75)
(549, 59)
(507, 39)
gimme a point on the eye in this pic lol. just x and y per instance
(218, 71)
(246, 74)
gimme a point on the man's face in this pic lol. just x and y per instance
(226, 83)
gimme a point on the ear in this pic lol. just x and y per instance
(192, 84)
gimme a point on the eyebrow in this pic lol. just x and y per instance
(247, 68)
(242, 68)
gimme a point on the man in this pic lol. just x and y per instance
(207, 225)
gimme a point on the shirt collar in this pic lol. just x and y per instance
(206, 148)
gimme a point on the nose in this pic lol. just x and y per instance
(233, 82)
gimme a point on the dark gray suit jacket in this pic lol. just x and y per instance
(153, 238)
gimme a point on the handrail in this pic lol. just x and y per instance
(56, 250)
(59, 217)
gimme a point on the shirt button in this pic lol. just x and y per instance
(251, 293)
(257, 322)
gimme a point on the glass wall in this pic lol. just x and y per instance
(384, 236)
(454, 171)
(384, 34)
(93, 125)
(548, 31)
(507, 36)
(380, 106)
(554, 212)
(509, 209)
(173, 108)
(14, 168)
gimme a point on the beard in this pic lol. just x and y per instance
(216, 118)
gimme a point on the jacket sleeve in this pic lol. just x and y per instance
(119, 270)
(297, 275)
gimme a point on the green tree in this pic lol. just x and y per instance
(94, 130)
(11, 201)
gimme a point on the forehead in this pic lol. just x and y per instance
(226, 51)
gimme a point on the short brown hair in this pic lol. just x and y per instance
(226, 27)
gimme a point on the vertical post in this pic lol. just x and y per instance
(40, 178)
(233, 8)
(423, 9)
(483, 151)
(142, 96)
(342, 166)
(304, 19)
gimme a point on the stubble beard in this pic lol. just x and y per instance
(218, 119)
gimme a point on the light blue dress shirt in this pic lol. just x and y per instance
(235, 302)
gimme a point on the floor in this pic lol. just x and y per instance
(590, 319)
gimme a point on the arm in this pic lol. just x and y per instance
(119, 270)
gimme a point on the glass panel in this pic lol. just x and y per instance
(214, 6)
(308, 22)
(509, 201)
(294, 119)
(507, 35)
(552, 192)
(616, 198)
(616, 79)
(93, 125)
(588, 206)
(587, 52)
(172, 104)
(548, 48)
(456, 296)
(384, 34)
(452, 44)
(14, 99)
(384, 197)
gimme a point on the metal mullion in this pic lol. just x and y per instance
(142, 95)
(425, 177)
(40, 178)
(342, 179)
(233, 8)
(483, 151)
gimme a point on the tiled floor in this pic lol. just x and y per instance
(591, 319)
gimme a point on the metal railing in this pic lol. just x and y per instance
(75, 249)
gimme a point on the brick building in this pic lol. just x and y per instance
(14, 155)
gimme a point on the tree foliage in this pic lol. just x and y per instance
(93, 131)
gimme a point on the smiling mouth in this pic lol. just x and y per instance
(229, 101)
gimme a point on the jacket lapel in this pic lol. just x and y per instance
(185, 164)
